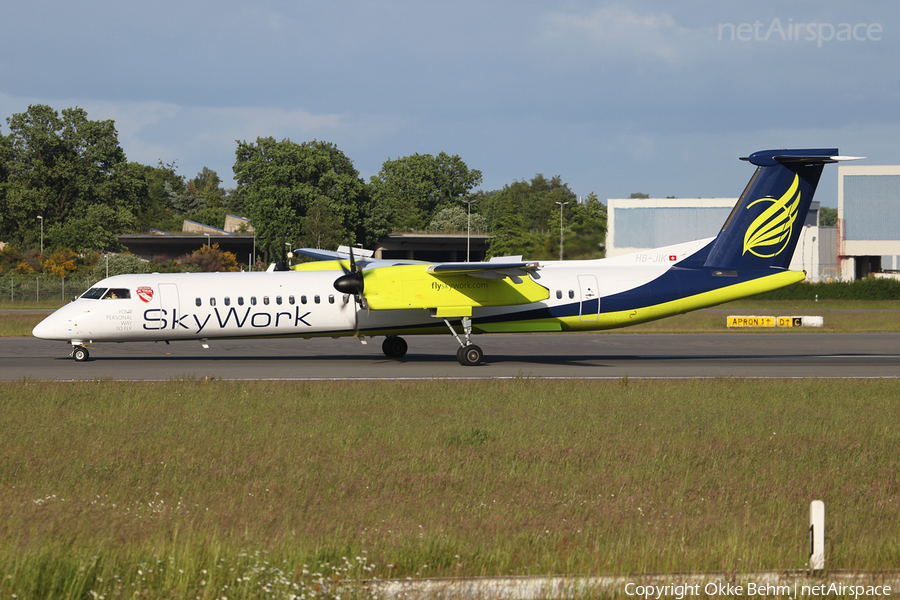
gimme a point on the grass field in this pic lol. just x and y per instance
(216, 489)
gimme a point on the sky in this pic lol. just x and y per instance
(614, 97)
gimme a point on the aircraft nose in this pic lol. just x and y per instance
(58, 326)
(48, 329)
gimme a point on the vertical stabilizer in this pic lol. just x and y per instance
(765, 224)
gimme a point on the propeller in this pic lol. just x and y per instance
(351, 282)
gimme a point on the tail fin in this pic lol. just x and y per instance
(765, 224)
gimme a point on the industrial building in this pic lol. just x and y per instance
(869, 220)
(637, 224)
(237, 238)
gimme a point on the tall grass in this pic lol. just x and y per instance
(211, 489)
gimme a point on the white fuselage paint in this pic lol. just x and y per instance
(187, 306)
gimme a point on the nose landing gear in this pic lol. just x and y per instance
(80, 353)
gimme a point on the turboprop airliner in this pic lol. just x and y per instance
(352, 294)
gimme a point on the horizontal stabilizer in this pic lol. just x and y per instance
(769, 158)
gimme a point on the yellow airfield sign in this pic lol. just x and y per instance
(763, 321)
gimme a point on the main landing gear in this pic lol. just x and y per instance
(468, 354)
(394, 346)
(80, 353)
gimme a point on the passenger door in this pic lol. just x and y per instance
(590, 298)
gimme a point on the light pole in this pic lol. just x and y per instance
(469, 224)
(41, 219)
(561, 204)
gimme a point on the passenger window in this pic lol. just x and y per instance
(290, 300)
(571, 294)
(277, 299)
(559, 294)
(252, 300)
(302, 299)
(212, 301)
(330, 298)
(317, 299)
(199, 302)
(266, 300)
(227, 301)
(240, 300)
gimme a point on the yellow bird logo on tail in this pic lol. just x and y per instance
(772, 228)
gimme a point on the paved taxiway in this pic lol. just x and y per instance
(605, 355)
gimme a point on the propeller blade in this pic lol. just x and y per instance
(352, 283)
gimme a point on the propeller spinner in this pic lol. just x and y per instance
(351, 282)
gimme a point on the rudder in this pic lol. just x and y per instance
(764, 226)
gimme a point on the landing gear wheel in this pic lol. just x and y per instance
(80, 354)
(394, 346)
(469, 356)
(460, 355)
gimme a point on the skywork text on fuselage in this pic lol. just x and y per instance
(156, 319)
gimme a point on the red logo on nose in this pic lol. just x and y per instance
(145, 293)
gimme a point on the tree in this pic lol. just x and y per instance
(119, 264)
(320, 227)
(408, 191)
(159, 184)
(61, 263)
(587, 237)
(511, 237)
(211, 259)
(206, 184)
(452, 219)
(58, 167)
(537, 201)
(282, 183)
(828, 216)
(199, 193)
(96, 227)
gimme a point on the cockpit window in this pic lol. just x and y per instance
(117, 294)
(94, 293)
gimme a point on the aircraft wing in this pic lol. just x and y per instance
(363, 260)
(453, 289)
(445, 288)
(486, 270)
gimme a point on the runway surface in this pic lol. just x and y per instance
(604, 355)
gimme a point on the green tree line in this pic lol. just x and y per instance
(65, 183)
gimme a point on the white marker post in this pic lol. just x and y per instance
(816, 535)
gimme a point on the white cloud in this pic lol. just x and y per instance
(619, 31)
